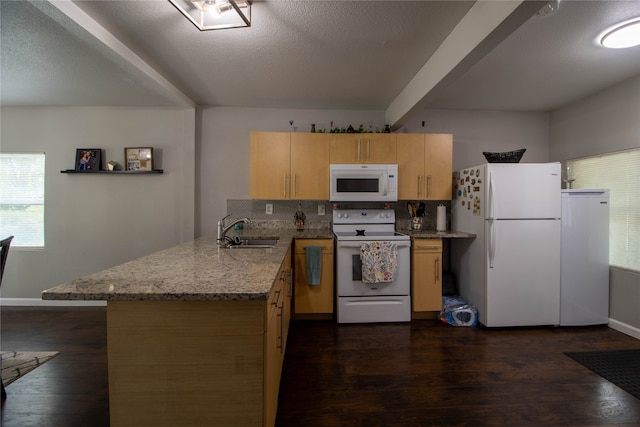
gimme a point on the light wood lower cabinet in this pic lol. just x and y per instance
(313, 299)
(426, 275)
(198, 363)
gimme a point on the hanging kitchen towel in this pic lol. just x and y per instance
(314, 264)
(379, 261)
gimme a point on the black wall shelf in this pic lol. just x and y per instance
(121, 172)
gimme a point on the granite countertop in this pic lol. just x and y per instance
(433, 234)
(197, 270)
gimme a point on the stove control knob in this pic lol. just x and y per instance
(345, 215)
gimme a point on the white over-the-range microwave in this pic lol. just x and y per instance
(363, 183)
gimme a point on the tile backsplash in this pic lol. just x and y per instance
(283, 211)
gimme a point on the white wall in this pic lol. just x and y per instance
(224, 139)
(478, 131)
(97, 221)
(223, 149)
(94, 222)
(605, 122)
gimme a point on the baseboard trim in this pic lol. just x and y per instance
(624, 328)
(36, 302)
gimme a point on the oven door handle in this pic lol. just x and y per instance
(358, 243)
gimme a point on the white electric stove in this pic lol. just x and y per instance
(359, 301)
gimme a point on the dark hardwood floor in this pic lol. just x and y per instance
(418, 374)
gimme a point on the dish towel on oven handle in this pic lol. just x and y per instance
(379, 261)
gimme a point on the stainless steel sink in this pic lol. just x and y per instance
(252, 243)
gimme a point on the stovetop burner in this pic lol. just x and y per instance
(366, 224)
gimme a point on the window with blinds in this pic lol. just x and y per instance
(620, 173)
(22, 198)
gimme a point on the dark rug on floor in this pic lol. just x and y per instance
(621, 367)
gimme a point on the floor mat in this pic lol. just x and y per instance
(621, 367)
(18, 363)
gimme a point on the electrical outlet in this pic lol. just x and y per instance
(320, 210)
(269, 209)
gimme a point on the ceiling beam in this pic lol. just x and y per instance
(485, 26)
(100, 33)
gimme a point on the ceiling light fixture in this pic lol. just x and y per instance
(215, 14)
(624, 34)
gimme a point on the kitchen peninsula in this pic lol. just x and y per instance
(196, 333)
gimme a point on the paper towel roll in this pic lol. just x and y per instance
(441, 218)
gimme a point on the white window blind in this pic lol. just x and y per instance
(22, 198)
(620, 173)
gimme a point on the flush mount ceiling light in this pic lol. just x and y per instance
(215, 14)
(624, 34)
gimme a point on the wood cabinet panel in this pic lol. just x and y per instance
(411, 151)
(313, 299)
(425, 165)
(269, 165)
(363, 148)
(309, 166)
(426, 274)
(438, 166)
(170, 362)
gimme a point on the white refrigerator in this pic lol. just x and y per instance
(511, 270)
(584, 277)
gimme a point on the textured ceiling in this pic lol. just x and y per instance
(302, 54)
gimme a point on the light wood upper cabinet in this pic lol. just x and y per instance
(270, 165)
(289, 166)
(425, 163)
(295, 166)
(426, 274)
(309, 166)
(410, 166)
(363, 148)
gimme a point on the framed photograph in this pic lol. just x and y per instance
(138, 158)
(88, 159)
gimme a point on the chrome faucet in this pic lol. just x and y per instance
(222, 229)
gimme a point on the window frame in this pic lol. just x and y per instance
(38, 198)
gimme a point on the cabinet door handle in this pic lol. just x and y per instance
(437, 267)
(295, 189)
(368, 149)
(428, 185)
(418, 247)
(281, 331)
(419, 185)
(285, 186)
(359, 142)
(276, 298)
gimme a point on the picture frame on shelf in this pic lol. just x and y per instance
(138, 158)
(88, 159)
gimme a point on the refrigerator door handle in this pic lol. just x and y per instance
(491, 206)
(492, 243)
